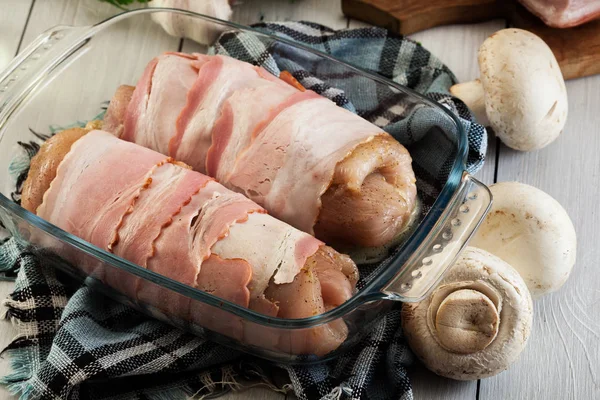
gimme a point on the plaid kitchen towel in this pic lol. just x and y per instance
(76, 344)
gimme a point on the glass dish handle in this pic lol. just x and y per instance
(34, 62)
(427, 265)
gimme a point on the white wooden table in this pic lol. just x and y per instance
(562, 359)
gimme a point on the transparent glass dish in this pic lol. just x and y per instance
(66, 75)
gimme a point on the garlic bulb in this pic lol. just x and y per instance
(204, 32)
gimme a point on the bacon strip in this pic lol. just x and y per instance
(138, 102)
(171, 186)
(242, 118)
(217, 80)
(81, 176)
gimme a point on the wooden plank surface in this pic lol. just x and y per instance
(562, 359)
(576, 49)
(96, 75)
(13, 15)
(326, 12)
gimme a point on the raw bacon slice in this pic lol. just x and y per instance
(175, 244)
(242, 117)
(170, 187)
(217, 80)
(161, 94)
(221, 209)
(287, 168)
(290, 250)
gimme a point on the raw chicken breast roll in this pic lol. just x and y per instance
(310, 163)
(163, 216)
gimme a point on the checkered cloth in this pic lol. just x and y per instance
(76, 344)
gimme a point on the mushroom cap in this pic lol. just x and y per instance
(475, 323)
(531, 231)
(525, 94)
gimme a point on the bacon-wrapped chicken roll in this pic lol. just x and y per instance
(158, 213)
(310, 163)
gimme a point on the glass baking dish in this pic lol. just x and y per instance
(68, 73)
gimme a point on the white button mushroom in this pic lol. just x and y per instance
(531, 231)
(521, 92)
(203, 32)
(475, 323)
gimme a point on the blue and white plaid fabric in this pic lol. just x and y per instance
(74, 343)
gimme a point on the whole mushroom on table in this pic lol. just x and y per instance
(521, 92)
(531, 231)
(475, 323)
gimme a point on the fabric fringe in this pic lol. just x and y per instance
(13, 311)
(228, 382)
(335, 394)
(19, 163)
(17, 382)
(260, 378)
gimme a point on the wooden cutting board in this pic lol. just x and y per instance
(576, 49)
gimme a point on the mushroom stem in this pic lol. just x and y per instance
(472, 94)
(466, 321)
